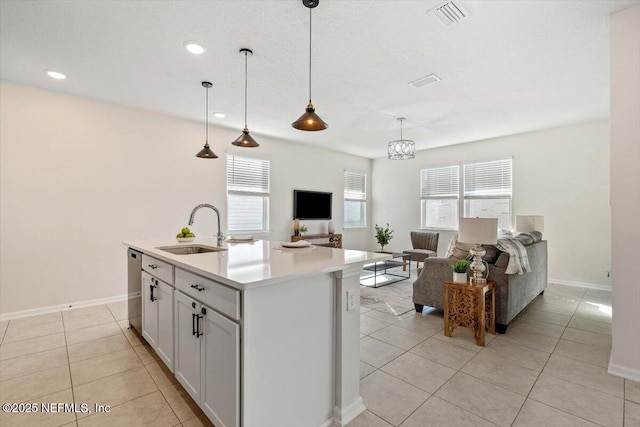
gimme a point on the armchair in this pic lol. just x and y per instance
(425, 245)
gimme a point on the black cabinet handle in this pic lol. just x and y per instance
(198, 288)
(193, 323)
(152, 266)
(151, 290)
(198, 333)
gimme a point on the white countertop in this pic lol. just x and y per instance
(245, 265)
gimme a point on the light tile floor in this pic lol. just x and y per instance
(549, 369)
(88, 356)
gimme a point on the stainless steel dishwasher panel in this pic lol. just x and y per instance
(134, 270)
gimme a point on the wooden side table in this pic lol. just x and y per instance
(470, 306)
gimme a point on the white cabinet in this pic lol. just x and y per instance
(207, 362)
(149, 310)
(157, 317)
(187, 347)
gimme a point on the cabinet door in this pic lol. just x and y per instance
(149, 310)
(187, 344)
(165, 323)
(220, 369)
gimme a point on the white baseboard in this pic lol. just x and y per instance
(621, 371)
(596, 286)
(60, 307)
(346, 415)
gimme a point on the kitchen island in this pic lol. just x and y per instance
(259, 335)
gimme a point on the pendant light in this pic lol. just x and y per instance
(310, 121)
(245, 140)
(402, 149)
(206, 152)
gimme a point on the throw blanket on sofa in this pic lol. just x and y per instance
(518, 259)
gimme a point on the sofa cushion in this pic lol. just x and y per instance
(492, 253)
(503, 260)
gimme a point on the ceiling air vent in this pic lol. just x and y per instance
(423, 81)
(449, 13)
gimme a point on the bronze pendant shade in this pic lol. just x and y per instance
(310, 121)
(245, 139)
(206, 152)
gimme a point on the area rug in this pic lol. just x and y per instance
(395, 299)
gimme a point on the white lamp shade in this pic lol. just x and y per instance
(526, 223)
(478, 230)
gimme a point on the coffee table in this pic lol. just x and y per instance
(378, 273)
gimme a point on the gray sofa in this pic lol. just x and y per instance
(513, 291)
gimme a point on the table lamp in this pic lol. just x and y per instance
(479, 231)
(525, 223)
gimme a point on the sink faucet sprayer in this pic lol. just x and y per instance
(206, 205)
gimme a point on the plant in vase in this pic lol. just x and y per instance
(383, 236)
(460, 271)
(303, 229)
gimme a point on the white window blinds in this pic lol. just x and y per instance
(247, 174)
(439, 192)
(439, 183)
(488, 179)
(355, 199)
(248, 193)
(355, 186)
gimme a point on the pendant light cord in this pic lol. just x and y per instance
(245, 89)
(310, 22)
(207, 118)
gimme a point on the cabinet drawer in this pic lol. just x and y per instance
(157, 268)
(222, 298)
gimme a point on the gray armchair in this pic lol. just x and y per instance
(425, 245)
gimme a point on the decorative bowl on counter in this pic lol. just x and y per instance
(185, 239)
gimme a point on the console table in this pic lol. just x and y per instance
(335, 240)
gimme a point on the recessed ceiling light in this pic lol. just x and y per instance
(194, 47)
(56, 75)
(219, 115)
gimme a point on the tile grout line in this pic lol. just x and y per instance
(66, 347)
(542, 370)
(473, 357)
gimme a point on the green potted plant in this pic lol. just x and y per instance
(303, 229)
(383, 235)
(460, 271)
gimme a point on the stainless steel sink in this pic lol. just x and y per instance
(190, 250)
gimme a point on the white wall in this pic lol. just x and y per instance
(625, 191)
(561, 173)
(77, 177)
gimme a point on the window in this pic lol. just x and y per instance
(355, 199)
(487, 191)
(439, 193)
(247, 193)
(486, 194)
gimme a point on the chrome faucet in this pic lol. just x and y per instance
(206, 205)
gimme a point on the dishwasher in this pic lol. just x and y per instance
(134, 271)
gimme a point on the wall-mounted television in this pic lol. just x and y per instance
(311, 204)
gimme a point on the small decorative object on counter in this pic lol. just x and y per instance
(303, 229)
(185, 235)
(330, 228)
(383, 236)
(296, 227)
(460, 271)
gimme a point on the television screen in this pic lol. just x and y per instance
(311, 205)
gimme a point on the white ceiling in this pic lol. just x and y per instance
(511, 67)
